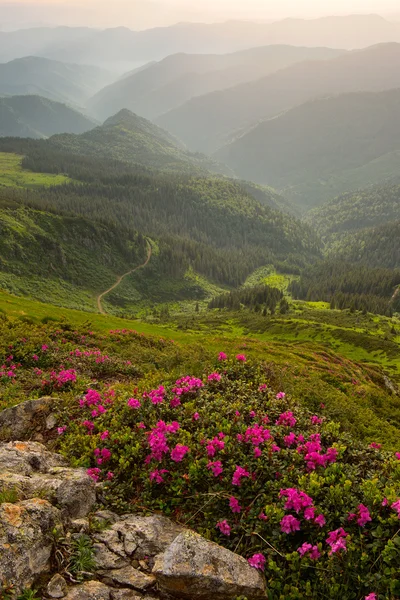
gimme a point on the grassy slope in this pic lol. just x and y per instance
(353, 393)
(13, 175)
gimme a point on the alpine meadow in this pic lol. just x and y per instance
(199, 301)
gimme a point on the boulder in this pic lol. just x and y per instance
(28, 420)
(125, 594)
(34, 472)
(106, 559)
(57, 587)
(26, 541)
(192, 567)
(91, 590)
(151, 535)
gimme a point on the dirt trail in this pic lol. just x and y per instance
(396, 293)
(116, 284)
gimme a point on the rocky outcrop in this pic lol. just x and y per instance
(30, 420)
(134, 557)
(26, 541)
(29, 469)
(192, 567)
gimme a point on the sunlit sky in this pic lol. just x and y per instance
(140, 14)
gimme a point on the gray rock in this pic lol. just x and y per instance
(79, 526)
(105, 559)
(130, 578)
(112, 539)
(192, 567)
(151, 534)
(28, 467)
(26, 420)
(27, 458)
(105, 517)
(57, 587)
(26, 540)
(91, 590)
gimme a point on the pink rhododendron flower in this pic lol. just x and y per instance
(35, 357)
(110, 475)
(224, 527)
(371, 596)
(257, 561)
(155, 396)
(375, 445)
(256, 435)
(104, 435)
(280, 396)
(234, 505)
(241, 358)
(397, 455)
(316, 420)
(363, 515)
(290, 439)
(179, 452)
(257, 452)
(215, 467)
(396, 506)
(320, 520)
(290, 524)
(222, 356)
(89, 425)
(385, 502)
(336, 540)
(157, 475)
(61, 430)
(309, 513)
(296, 500)
(196, 416)
(309, 549)
(238, 474)
(94, 473)
(134, 403)
(214, 377)
(286, 419)
(175, 402)
(185, 385)
(214, 445)
(263, 517)
(263, 387)
(275, 448)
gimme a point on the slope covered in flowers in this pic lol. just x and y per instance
(222, 449)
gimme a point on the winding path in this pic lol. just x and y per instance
(116, 284)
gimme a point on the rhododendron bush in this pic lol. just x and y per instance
(246, 466)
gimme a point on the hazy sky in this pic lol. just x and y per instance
(146, 13)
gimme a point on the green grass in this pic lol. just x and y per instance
(13, 175)
(269, 276)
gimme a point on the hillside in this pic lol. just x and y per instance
(120, 47)
(322, 148)
(45, 255)
(37, 117)
(130, 138)
(363, 208)
(162, 86)
(208, 122)
(67, 83)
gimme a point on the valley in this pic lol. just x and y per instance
(200, 275)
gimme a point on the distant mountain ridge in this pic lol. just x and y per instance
(322, 148)
(208, 122)
(37, 117)
(161, 86)
(122, 46)
(60, 82)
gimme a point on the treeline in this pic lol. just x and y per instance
(258, 298)
(347, 285)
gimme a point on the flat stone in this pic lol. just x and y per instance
(90, 590)
(112, 539)
(57, 587)
(192, 567)
(130, 577)
(79, 526)
(125, 594)
(27, 458)
(26, 540)
(105, 559)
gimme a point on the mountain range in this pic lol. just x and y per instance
(37, 117)
(161, 86)
(322, 148)
(208, 122)
(121, 47)
(68, 83)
